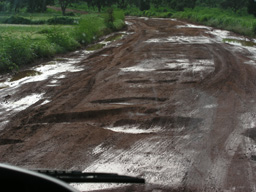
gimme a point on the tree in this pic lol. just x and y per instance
(252, 7)
(181, 4)
(144, 5)
(17, 4)
(122, 4)
(235, 5)
(157, 3)
(64, 4)
(36, 6)
(209, 3)
(4, 5)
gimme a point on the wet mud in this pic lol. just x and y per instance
(169, 101)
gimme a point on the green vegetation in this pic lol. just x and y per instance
(95, 47)
(30, 30)
(242, 23)
(114, 37)
(152, 12)
(23, 74)
(241, 42)
(23, 44)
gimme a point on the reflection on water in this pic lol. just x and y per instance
(23, 74)
(247, 43)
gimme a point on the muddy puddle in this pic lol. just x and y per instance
(52, 72)
(95, 47)
(240, 42)
(129, 129)
(114, 37)
(23, 74)
(106, 41)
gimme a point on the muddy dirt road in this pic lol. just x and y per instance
(170, 102)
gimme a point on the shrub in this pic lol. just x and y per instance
(109, 18)
(144, 5)
(5, 62)
(119, 15)
(224, 19)
(38, 22)
(61, 20)
(89, 29)
(17, 20)
(254, 28)
(62, 39)
(71, 14)
(22, 20)
(43, 49)
(4, 6)
(19, 50)
(119, 24)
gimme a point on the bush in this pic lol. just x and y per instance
(5, 62)
(71, 14)
(109, 18)
(4, 6)
(90, 28)
(22, 20)
(61, 20)
(118, 20)
(43, 49)
(17, 20)
(144, 5)
(134, 11)
(254, 28)
(62, 39)
(224, 19)
(19, 50)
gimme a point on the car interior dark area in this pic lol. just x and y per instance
(18, 179)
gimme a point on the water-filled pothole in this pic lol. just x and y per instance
(61, 59)
(23, 74)
(4, 87)
(95, 47)
(240, 42)
(114, 37)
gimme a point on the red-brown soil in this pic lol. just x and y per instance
(181, 129)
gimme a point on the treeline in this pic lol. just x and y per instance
(178, 5)
(30, 5)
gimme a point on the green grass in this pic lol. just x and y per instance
(37, 18)
(242, 42)
(81, 6)
(114, 37)
(95, 47)
(23, 74)
(153, 12)
(241, 23)
(31, 16)
(23, 44)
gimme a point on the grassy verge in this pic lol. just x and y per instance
(33, 18)
(240, 23)
(23, 44)
(153, 12)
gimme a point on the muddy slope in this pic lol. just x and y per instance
(169, 102)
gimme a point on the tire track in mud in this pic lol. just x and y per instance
(170, 103)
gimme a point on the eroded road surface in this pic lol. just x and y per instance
(169, 102)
